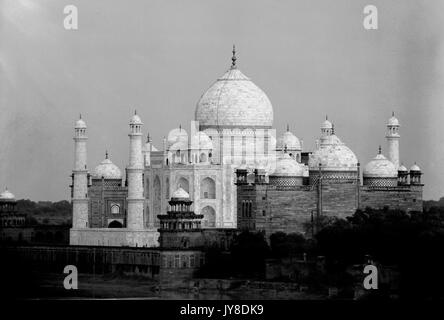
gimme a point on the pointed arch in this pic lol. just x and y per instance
(157, 201)
(147, 188)
(184, 184)
(115, 224)
(209, 219)
(208, 189)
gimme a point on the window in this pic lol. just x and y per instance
(177, 261)
(184, 261)
(115, 209)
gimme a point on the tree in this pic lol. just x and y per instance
(249, 251)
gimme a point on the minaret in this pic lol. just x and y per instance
(135, 176)
(393, 140)
(80, 178)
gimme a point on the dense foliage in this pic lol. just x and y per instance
(46, 212)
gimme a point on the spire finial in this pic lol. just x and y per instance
(379, 150)
(148, 138)
(332, 128)
(288, 127)
(106, 154)
(233, 58)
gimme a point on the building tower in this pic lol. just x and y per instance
(393, 140)
(80, 177)
(135, 176)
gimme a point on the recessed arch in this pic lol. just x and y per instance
(157, 205)
(209, 219)
(184, 184)
(208, 189)
(115, 224)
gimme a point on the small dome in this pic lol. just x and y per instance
(180, 194)
(288, 141)
(326, 125)
(380, 167)
(176, 135)
(287, 166)
(7, 195)
(107, 170)
(80, 124)
(415, 168)
(179, 145)
(135, 119)
(201, 141)
(393, 121)
(402, 168)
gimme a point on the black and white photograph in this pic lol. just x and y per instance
(209, 152)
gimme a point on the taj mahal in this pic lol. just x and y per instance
(235, 171)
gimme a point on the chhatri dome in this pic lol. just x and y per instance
(380, 167)
(180, 193)
(135, 119)
(234, 101)
(7, 195)
(107, 170)
(288, 141)
(393, 121)
(415, 168)
(80, 124)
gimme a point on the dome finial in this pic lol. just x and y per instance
(148, 138)
(326, 117)
(379, 150)
(106, 154)
(393, 113)
(80, 116)
(135, 111)
(288, 127)
(233, 58)
(332, 128)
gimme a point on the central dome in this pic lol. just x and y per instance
(234, 101)
(333, 155)
(107, 170)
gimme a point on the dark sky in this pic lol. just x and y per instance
(311, 57)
